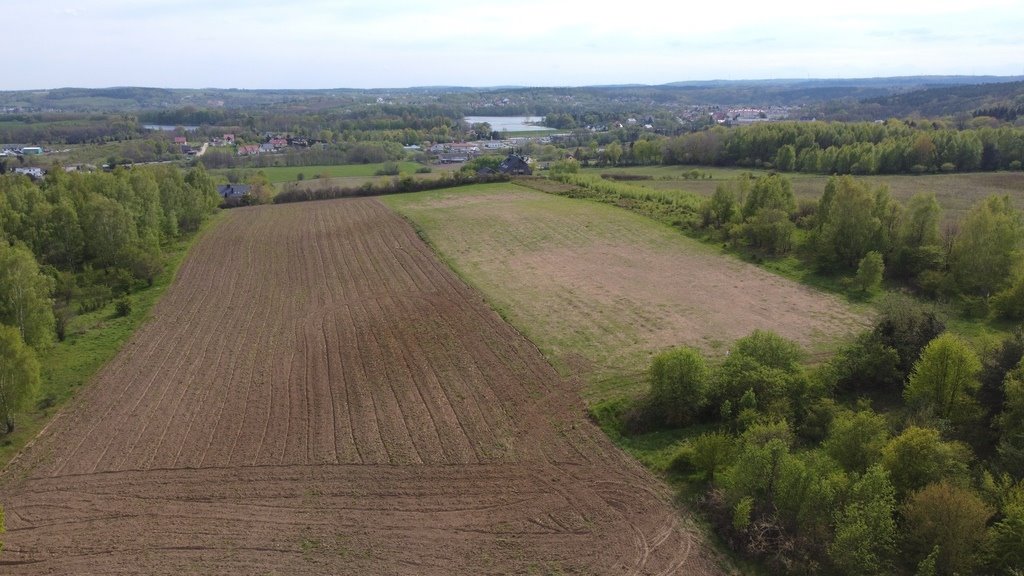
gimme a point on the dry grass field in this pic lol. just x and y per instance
(600, 289)
(318, 394)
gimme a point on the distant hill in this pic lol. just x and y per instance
(838, 98)
(864, 98)
(952, 100)
(890, 82)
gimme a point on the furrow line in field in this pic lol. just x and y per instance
(193, 370)
(370, 409)
(363, 424)
(340, 384)
(463, 365)
(424, 429)
(388, 378)
(246, 354)
(195, 367)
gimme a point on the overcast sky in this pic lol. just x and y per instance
(400, 43)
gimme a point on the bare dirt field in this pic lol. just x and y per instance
(317, 393)
(600, 289)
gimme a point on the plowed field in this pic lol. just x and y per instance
(317, 393)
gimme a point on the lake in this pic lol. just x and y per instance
(508, 123)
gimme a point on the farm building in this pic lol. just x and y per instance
(515, 164)
(464, 148)
(232, 190)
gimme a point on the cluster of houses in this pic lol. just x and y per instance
(751, 115)
(458, 152)
(273, 143)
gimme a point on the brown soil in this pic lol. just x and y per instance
(317, 393)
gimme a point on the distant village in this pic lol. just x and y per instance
(438, 153)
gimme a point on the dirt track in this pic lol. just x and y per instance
(317, 393)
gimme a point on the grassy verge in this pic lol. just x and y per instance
(92, 340)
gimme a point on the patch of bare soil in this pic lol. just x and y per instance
(318, 394)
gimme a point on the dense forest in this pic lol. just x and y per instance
(75, 242)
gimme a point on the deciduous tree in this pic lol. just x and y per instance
(919, 456)
(944, 378)
(850, 227)
(985, 249)
(19, 374)
(856, 439)
(865, 527)
(679, 384)
(25, 296)
(949, 517)
(869, 272)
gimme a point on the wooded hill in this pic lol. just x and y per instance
(897, 96)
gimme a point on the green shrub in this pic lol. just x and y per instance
(388, 169)
(869, 272)
(123, 307)
(679, 380)
(711, 453)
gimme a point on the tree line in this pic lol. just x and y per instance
(328, 154)
(976, 262)
(75, 242)
(892, 147)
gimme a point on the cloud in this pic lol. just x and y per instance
(324, 43)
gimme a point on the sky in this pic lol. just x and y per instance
(403, 43)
